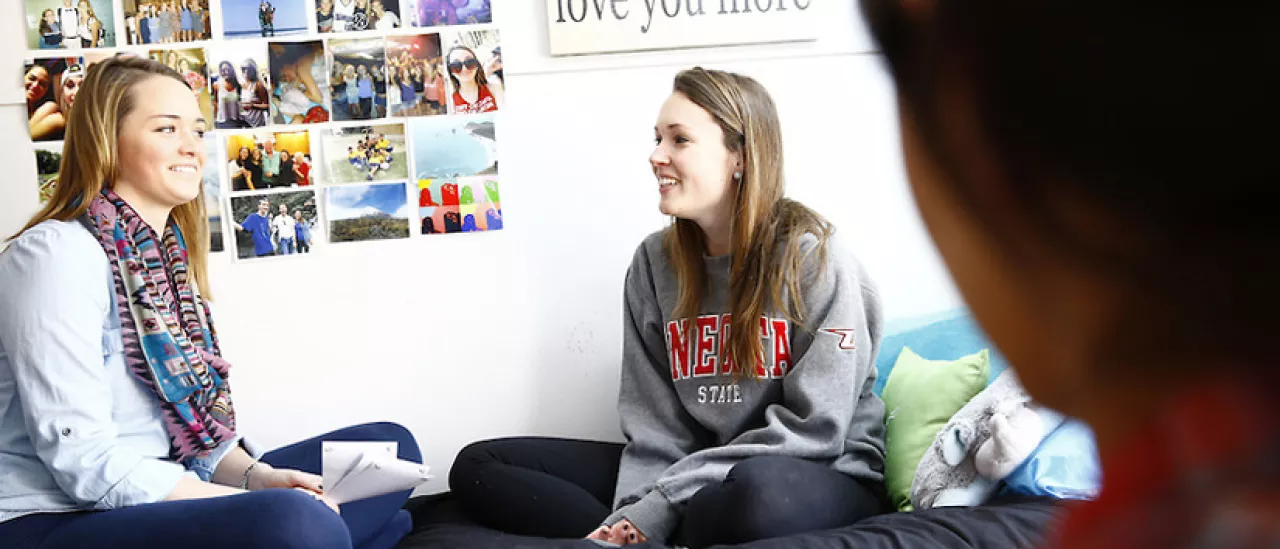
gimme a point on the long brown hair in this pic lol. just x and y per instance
(481, 80)
(90, 154)
(768, 262)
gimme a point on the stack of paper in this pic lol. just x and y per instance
(358, 470)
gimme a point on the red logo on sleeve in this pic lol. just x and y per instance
(846, 337)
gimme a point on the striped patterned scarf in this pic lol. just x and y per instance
(169, 340)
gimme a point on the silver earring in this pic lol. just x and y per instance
(737, 175)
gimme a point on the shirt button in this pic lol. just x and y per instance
(66, 431)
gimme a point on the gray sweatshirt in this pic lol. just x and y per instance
(687, 422)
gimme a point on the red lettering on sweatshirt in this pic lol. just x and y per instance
(678, 344)
(781, 350)
(726, 354)
(705, 361)
(701, 347)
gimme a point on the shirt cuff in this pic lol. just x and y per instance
(150, 481)
(204, 466)
(654, 515)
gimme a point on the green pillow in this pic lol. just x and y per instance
(920, 397)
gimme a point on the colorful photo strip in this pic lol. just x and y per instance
(357, 72)
(376, 211)
(274, 224)
(262, 159)
(166, 21)
(463, 205)
(357, 154)
(70, 24)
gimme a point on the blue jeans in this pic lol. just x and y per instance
(267, 519)
(286, 246)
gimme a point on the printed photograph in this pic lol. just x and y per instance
(440, 220)
(48, 164)
(190, 64)
(166, 21)
(264, 18)
(263, 159)
(415, 76)
(267, 225)
(454, 146)
(357, 74)
(474, 62)
(469, 204)
(51, 86)
(376, 211)
(365, 153)
(213, 192)
(70, 24)
(301, 94)
(240, 84)
(357, 15)
(435, 13)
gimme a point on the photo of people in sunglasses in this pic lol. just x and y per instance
(474, 62)
(240, 84)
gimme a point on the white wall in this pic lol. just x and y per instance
(463, 337)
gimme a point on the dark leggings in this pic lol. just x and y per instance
(564, 489)
(276, 519)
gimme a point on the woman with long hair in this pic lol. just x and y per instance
(91, 31)
(227, 93)
(255, 97)
(120, 429)
(749, 344)
(50, 31)
(474, 90)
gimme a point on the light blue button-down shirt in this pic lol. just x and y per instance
(77, 430)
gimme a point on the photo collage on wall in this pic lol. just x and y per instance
(328, 119)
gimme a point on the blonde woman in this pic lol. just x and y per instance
(90, 29)
(749, 343)
(121, 431)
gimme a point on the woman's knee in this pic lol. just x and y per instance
(389, 431)
(472, 460)
(758, 495)
(291, 519)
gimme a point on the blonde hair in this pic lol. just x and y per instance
(767, 261)
(90, 154)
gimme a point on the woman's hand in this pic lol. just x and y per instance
(621, 533)
(271, 477)
(265, 476)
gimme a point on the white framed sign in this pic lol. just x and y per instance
(583, 27)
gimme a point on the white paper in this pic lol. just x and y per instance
(353, 470)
